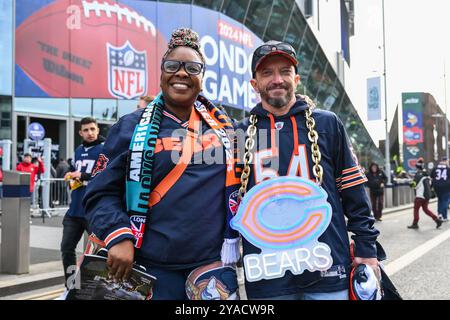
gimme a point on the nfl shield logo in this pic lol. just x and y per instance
(127, 71)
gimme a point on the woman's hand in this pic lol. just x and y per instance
(120, 260)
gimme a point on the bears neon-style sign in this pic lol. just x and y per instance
(284, 216)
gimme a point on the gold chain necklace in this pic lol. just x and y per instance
(313, 137)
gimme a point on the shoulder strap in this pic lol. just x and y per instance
(188, 150)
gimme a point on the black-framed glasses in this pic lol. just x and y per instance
(191, 67)
(268, 48)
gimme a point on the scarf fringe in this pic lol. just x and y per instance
(231, 252)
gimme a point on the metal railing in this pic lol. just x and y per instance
(397, 195)
(51, 197)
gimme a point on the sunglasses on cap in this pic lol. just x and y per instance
(270, 48)
(191, 67)
(265, 49)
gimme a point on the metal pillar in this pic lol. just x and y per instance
(47, 157)
(15, 246)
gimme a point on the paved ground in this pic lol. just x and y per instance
(418, 260)
(45, 240)
(422, 255)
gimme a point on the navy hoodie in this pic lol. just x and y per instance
(343, 181)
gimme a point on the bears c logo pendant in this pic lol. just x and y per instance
(284, 216)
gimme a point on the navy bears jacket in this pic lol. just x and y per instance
(165, 238)
(343, 180)
(84, 160)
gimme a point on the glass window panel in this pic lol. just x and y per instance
(330, 95)
(105, 109)
(126, 106)
(235, 9)
(81, 107)
(257, 16)
(279, 18)
(306, 53)
(314, 79)
(211, 4)
(337, 106)
(5, 118)
(50, 106)
(327, 93)
(296, 29)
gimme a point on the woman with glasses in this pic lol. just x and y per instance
(157, 198)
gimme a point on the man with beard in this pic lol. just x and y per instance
(312, 146)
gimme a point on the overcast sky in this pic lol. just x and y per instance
(417, 44)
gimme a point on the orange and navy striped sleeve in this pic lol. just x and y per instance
(347, 172)
(350, 177)
(117, 236)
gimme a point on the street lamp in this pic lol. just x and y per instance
(446, 119)
(387, 143)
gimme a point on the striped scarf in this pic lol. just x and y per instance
(141, 158)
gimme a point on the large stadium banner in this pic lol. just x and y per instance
(412, 130)
(6, 56)
(113, 49)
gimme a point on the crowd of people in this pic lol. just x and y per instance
(426, 184)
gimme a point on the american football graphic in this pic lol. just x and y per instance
(87, 48)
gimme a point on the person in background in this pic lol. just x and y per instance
(74, 223)
(144, 101)
(62, 168)
(421, 184)
(441, 185)
(70, 163)
(376, 182)
(34, 169)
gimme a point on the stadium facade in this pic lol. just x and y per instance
(66, 59)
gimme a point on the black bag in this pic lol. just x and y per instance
(389, 291)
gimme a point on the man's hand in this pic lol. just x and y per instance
(72, 175)
(120, 260)
(371, 262)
